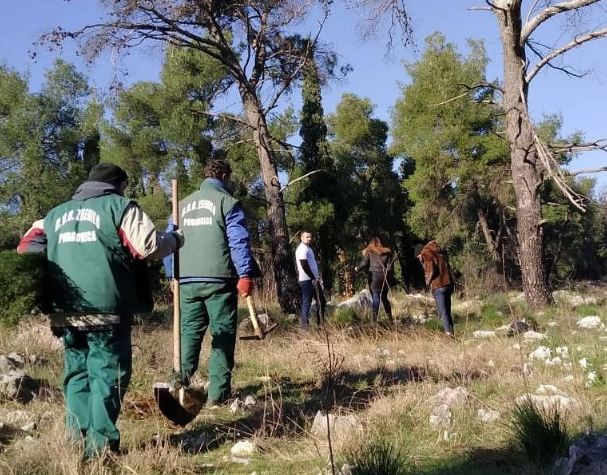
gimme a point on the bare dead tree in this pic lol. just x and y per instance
(532, 161)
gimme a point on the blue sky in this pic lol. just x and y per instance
(376, 75)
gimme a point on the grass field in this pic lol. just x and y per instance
(386, 377)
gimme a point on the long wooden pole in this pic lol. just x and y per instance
(176, 309)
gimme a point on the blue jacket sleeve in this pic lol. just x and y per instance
(167, 261)
(240, 243)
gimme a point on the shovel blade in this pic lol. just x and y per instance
(180, 406)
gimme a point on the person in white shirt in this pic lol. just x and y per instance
(310, 282)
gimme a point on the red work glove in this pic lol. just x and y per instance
(245, 286)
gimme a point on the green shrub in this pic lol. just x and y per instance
(492, 315)
(434, 325)
(345, 317)
(586, 310)
(540, 433)
(22, 284)
(380, 456)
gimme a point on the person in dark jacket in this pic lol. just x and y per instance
(216, 265)
(438, 276)
(94, 244)
(377, 261)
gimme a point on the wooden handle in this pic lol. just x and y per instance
(176, 296)
(253, 317)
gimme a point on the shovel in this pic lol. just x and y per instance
(178, 404)
(260, 331)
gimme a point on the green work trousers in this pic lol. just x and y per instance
(213, 306)
(97, 374)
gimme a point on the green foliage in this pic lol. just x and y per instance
(22, 283)
(492, 315)
(48, 140)
(379, 456)
(495, 309)
(434, 325)
(345, 317)
(540, 433)
(368, 198)
(445, 124)
(162, 130)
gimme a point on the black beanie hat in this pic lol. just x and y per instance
(107, 173)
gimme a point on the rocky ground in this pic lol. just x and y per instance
(308, 403)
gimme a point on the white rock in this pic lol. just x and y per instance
(18, 358)
(240, 460)
(236, 406)
(243, 448)
(549, 397)
(452, 396)
(563, 351)
(590, 378)
(488, 416)
(29, 427)
(440, 417)
(590, 322)
(342, 427)
(249, 401)
(583, 363)
(540, 353)
(575, 300)
(558, 401)
(17, 417)
(346, 469)
(361, 299)
(556, 361)
(544, 389)
(533, 336)
(484, 334)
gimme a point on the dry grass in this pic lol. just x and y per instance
(388, 379)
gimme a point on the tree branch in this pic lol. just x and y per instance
(577, 41)
(221, 116)
(300, 178)
(587, 171)
(549, 12)
(580, 147)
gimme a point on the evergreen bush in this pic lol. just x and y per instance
(22, 284)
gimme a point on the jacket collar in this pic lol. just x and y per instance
(213, 182)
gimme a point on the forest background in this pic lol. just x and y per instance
(409, 151)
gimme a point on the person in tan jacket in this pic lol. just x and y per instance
(438, 276)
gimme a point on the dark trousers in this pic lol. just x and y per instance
(378, 286)
(309, 292)
(381, 296)
(442, 296)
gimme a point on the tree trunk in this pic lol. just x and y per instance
(525, 166)
(283, 264)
